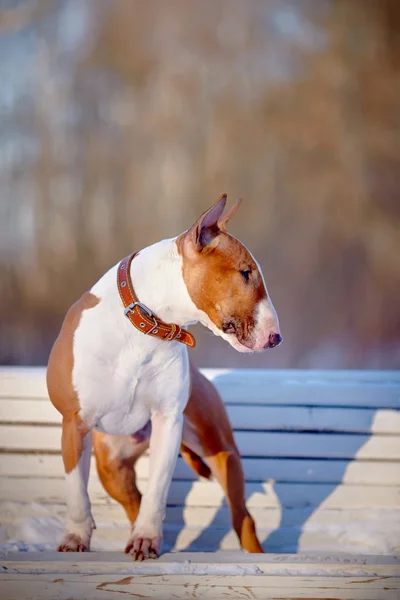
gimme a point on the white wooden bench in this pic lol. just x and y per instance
(321, 454)
(42, 576)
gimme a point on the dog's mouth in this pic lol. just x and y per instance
(243, 337)
(233, 331)
(238, 345)
(229, 326)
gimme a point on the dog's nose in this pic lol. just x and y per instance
(273, 340)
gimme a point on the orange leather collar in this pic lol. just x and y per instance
(142, 317)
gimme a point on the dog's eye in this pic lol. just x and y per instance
(246, 274)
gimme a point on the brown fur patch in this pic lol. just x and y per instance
(59, 382)
(117, 473)
(61, 360)
(216, 285)
(205, 418)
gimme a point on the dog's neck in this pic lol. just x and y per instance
(156, 274)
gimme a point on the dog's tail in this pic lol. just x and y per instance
(195, 462)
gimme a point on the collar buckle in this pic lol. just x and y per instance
(131, 308)
(144, 309)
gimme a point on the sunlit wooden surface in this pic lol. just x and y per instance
(321, 454)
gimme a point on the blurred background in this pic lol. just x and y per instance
(122, 120)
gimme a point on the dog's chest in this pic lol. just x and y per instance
(128, 412)
(120, 400)
(121, 376)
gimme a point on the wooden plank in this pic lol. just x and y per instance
(214, 588)
(207, 493)
(308, 576)
(247, 388)
(300, 418)
(31, 438)
(252, 444)
(282, 575)
(315, 445)
(283, 418)
(376, 389)
(200, 563)
(313, 376)
(294, 582)
(185, 580)
(20, 410)
(256, 469)
(23, 382)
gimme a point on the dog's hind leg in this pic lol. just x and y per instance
(76, 451)
(195, 462)
(208, 433)
(115, 460)
(227, 469)
(76, 435)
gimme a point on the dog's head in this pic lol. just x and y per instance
(226, 284)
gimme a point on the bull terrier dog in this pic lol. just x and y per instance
(120, 366)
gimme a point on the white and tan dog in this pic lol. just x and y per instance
(105, 374)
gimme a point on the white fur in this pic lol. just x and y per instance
(121, 374)
(79, 519)
(122, 446)
(266, 323)
(266, 318)
(123, 378)
(164, 448)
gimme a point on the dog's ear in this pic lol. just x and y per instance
(203, 234)
(222, 221)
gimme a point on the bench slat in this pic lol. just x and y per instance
(221, 587)
(201, 493)
(259, 390)
(256, 469)
(283, 418)
(376, 389)
(184, 580)
(202, 563)
(228, 574)
(302, 445)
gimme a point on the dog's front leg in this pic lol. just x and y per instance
(165, 440)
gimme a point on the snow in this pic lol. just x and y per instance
(36, 527)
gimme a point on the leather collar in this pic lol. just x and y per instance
(142, 317)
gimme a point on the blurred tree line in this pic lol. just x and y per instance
(122, 120)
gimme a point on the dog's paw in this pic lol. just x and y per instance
(74, 543)
(143, 548)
